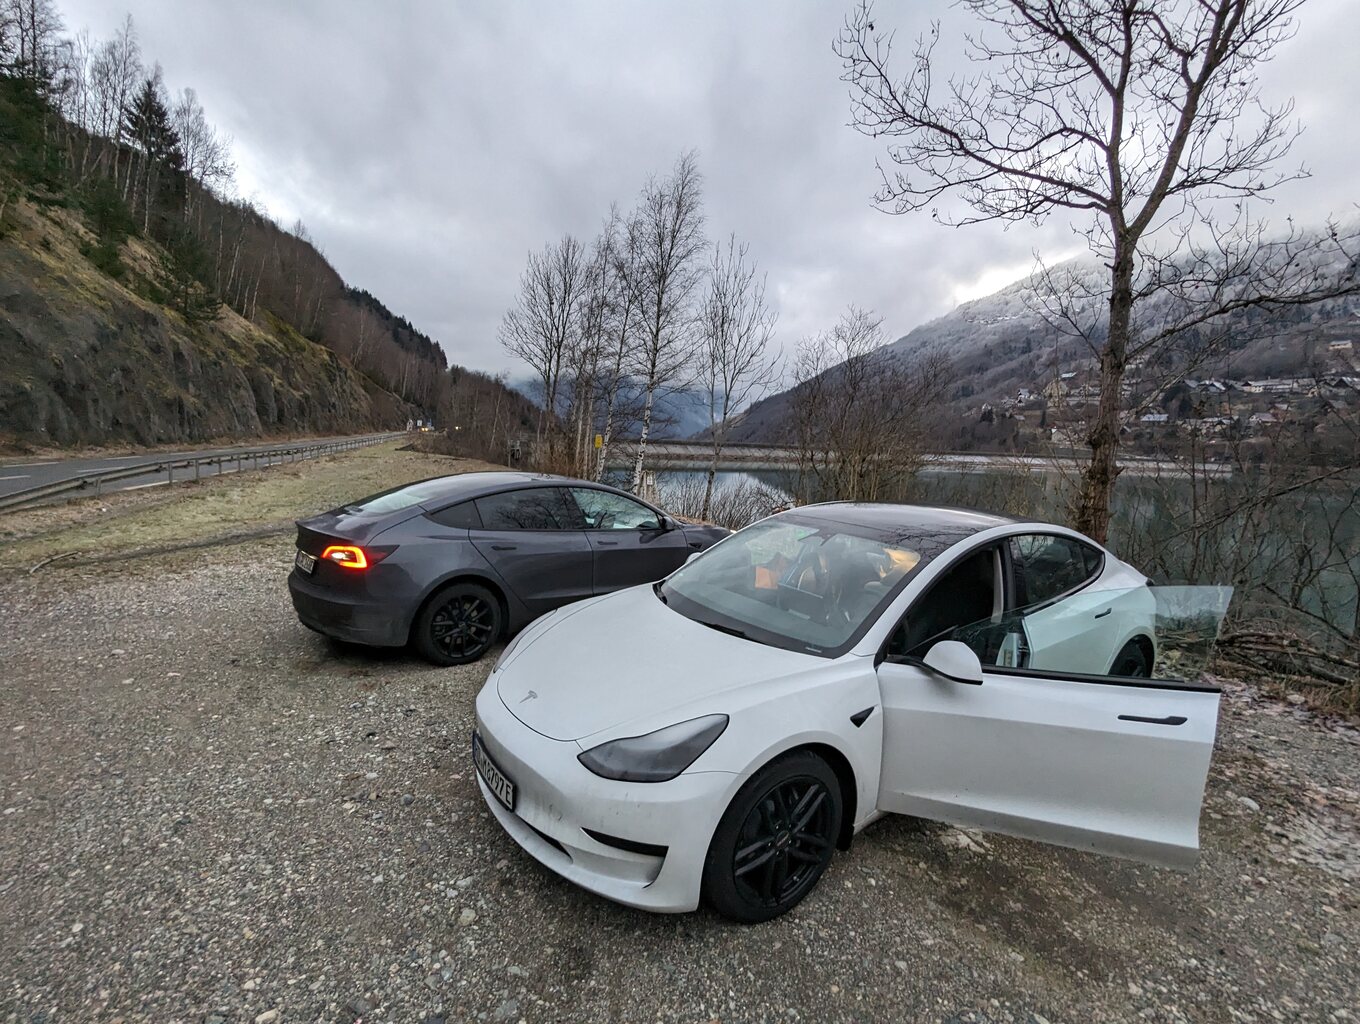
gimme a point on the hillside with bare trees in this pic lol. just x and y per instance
(143, 300)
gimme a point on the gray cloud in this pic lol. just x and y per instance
(429, 146)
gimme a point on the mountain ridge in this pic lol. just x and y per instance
(999, 343)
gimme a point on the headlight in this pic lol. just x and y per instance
(657, 757)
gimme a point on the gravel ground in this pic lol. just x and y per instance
(212, 815)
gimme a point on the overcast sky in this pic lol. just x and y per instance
(428, 146)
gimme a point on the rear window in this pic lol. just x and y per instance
(401, 497)
(462, 516)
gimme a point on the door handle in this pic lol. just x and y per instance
(607, 543)
(1101, 615)
(504, 547)
(1168, 720)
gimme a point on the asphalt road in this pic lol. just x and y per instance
(20, 475)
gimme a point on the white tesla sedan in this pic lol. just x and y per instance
(717, 735)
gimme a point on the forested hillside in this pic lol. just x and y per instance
(1002, 344)
(141, 300)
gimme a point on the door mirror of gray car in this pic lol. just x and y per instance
(692, 556)
(955, 661)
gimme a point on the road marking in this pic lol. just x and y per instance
(29, 465)
(138, 487)
(21, 476)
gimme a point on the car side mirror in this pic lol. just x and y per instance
(692, 556)
(955, 661)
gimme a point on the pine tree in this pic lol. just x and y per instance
(186, 269)
(148, 129)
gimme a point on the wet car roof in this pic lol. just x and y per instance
(471, 485)
(919, 519)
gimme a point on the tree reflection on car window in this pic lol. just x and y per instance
(537, 508)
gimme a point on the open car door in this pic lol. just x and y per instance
(1082, 759)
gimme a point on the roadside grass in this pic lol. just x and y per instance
(235, 507)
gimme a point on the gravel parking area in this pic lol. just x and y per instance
(212, 815)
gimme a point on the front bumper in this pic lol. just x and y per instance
(353, 618)
(557, 799)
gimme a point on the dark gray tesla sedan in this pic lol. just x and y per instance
(451, 565)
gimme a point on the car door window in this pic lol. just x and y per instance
(965, 594)
(1046, 566)
(604, 510)
(534, 508)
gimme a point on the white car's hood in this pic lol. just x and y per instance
(625, 657)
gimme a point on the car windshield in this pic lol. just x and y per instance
(803, 584)
(399, 498)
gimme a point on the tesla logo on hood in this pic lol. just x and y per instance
(529, 696)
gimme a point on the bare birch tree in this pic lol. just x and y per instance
(666, 236)
(115, 72)
(9, 37)
(30, 29)
(621, 321)
(736, 325)
(1140, 119)
(860, 419)
(541, 327)
(207, 154)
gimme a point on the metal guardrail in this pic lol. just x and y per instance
(192, 465)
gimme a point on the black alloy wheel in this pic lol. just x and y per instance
(1132, 662)
(776, 839)
(459, 625)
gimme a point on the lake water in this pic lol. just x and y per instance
(1306, 545)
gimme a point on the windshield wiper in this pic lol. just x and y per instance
(729, 630)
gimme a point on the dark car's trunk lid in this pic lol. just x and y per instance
(341, 527)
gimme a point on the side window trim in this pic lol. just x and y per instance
(1083, 677)
(1070, 677)
(576, 516)
(1007, 575)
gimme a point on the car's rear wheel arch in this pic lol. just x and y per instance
(1145, 645)
(1135, 658)
(453, 581)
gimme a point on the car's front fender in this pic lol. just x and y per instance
(775, 718)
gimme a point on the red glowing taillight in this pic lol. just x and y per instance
(346, 556)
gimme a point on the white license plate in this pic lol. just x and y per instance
(496, 780)
(305, 562)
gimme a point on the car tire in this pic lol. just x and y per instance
(761, 861)
(458, 625)
(1132, 662)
